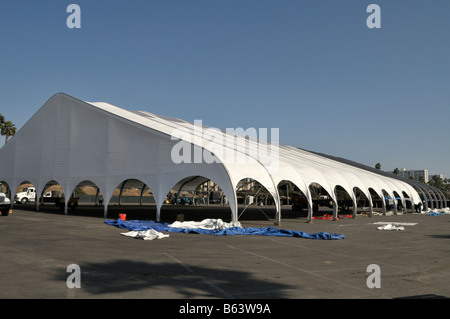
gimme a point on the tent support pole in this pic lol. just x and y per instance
(404, 208)
(142, 194)
(310, 213)
(278, 214)
(395, 203)
(120, 192)
(158, 213)
(355, 207)
(96, 196)
(370, 205)
(335, 210)
(37, 199)
(287, 193)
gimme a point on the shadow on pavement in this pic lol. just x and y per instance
(121, 276)
(428, 296)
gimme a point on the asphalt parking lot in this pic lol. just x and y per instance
(37, 247)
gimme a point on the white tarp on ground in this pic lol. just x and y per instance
(209, 223)
(149, 234)
(443, 211)
(395, 223)
(70, 141)
(391, 227)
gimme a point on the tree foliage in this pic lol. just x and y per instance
(7, 128)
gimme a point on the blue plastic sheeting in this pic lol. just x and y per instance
(142, 225)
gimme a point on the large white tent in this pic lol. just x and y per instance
(70, 142)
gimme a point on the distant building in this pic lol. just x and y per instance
(420, 175)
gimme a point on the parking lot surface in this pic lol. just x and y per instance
(36, 249)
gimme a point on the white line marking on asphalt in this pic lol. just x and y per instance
(299, 269)
(205, 280)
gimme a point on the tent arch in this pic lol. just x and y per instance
(377, 194)
(409, 201)
(327, 188)
(87, 183)
(286, 182)
(350, 194)
(253, 181)
(441, 201)
(315, 206)
(399, 200)
(44, 186)
(422, 194)
(275, 195)
(293, 175)
(432, 197)
(444, 200)
(366, 194)
(298, 204)
(180, 183)
(389, 198)
(136, 183)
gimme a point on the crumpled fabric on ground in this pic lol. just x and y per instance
(391, 227)
(217, 228)
(149, 234)
(213, 224)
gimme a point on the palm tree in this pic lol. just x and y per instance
(2, 122)
(8, 129)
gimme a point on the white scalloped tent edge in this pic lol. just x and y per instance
(70, 141)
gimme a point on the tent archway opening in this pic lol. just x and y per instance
(362, 201)
(292, 195)
(88, 194)
(320, 198)
(52, 194)
(132, 192)
(251, 193)
(198, 197)
(345, 202)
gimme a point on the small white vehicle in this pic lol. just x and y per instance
(27, 195)
(5, 204)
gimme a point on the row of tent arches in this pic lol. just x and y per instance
(198, 190)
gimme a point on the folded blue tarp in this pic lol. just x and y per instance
(142, 225)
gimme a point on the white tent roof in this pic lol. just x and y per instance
(70, 141)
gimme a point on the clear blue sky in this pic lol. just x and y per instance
(313, 69)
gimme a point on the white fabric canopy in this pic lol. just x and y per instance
(70, 141)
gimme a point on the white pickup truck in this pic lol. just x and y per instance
(5, 204)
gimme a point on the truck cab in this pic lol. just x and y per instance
(27, 195)
(5, 204)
